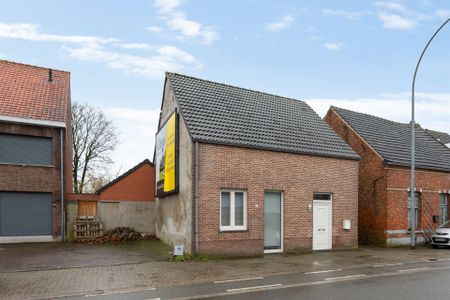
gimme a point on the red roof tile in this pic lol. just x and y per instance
(26, 92)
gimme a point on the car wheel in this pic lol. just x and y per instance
(434, 246)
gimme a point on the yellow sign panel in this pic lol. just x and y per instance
(166, 157)
(169, 164)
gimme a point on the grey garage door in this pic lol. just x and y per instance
(24, 214)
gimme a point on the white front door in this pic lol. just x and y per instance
(322, 223)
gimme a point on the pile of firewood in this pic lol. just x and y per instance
(121, 234)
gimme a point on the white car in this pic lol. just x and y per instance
(441, 236)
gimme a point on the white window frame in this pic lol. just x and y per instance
(233, 227)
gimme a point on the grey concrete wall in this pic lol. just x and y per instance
(139, 215)
(174, 213)
(72, 212)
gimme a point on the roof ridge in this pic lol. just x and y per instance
(118, 178)
(33, 66)
(366, 114)
(234, 86)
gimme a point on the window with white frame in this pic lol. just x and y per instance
(443, 208)
(233, 210)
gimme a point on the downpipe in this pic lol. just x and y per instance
(197, 250)
(63, 215)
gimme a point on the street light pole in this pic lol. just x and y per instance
(413, 143)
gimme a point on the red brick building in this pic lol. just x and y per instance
(254, 173)
(35, 152)
(384, 176)
(134, 185)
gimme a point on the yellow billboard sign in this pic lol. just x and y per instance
(166, 157)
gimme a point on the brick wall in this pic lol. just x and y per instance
(81, 197)
(372, 183)
(257, 171)
(17, 178)
(430, 183)
(139, 185)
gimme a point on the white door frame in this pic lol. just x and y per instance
(281, 225)
(330, 218)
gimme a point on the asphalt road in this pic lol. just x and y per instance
(421, 285)
(412, 280)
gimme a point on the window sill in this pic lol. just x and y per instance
(416, 231)
(233, 230)
(25, 165)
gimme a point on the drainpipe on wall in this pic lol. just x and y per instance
(63, 216)
(196, 198)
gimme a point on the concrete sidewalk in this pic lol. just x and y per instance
(44, 283)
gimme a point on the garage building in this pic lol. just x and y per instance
(35, 152)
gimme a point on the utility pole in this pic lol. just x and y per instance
(413, 144)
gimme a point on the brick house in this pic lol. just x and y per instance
(384, 176)
(254, 173)
(35, 152)
(128, 200)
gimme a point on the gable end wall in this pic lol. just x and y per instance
(173, 213)
(372, 204)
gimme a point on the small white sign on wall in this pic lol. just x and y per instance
(178, 250)
(347, 224)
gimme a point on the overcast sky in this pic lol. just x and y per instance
(352, 54)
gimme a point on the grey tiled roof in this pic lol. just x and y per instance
(392, 141)
(222, 114)
(442, 137)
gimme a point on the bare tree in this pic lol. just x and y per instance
(94, 138)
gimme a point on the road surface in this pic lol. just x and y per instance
(410, 280)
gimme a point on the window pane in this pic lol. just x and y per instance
(416, 211)
(272, 220)
(321, 196)
(443, 208)
(417, 218)
(238, 208)
(416, 200)
(443, 215)
(225, 208)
